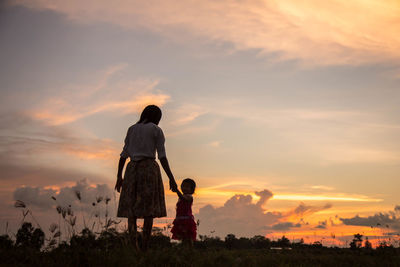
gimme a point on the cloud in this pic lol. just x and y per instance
(22, 138)
(41, 197)
(329, 197)
(39, 132)
(33, 153)
(16, 175)
(330, 136)
(35, 196)
(322, 187)
(346, 154)
(303, 209)
(388, 220)
(314, 32)
(80, 101)
(322, 224)
(285, 226)
(186, 114)
(214, 144)
(240, 216)
(39, 200)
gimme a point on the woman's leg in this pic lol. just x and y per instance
(147, 226)
(132, 229)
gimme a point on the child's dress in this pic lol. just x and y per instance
(184, 226)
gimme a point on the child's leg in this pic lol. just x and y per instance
(147, 226)
(188, 242)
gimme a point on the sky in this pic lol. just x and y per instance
(285, 113)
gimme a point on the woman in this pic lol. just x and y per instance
(142, 194)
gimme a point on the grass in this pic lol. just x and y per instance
(112, 248)
(179, 256)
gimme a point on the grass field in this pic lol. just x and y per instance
(111, 248)
(178, 256)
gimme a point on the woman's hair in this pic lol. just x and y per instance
(151, 113)
(191, 183)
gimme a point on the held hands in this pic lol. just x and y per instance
(172, 185)
(118, 184)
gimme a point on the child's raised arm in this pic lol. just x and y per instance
(186, 197)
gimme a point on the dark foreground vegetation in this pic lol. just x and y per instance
(100, 244)
(111, 248)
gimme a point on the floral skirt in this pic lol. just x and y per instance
(142, 193)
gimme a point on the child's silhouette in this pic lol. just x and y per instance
(184, 226)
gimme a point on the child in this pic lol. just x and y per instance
(184, 226)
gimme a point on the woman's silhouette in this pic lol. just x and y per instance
(142, 194)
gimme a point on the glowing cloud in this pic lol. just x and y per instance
(80, 101)
(240, 216)
(220, 191)
(325, 198)
(334, 32)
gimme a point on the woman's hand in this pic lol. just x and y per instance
(121, 165)
(172, 185)
(118, 184)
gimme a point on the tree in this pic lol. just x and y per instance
(230, 241)
(357, 242)
(5, 242)
(28, 236)
(284, 242)
(259, 241)
(367, 244)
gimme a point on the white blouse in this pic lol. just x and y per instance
(142, 141)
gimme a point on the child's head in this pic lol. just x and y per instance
(188, 186)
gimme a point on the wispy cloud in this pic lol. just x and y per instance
(174, 130)
(186, 114)
(245, 185)
(214, 144)
(331, 197)
(322, 187)
(302, 210)
(327, 137)
(314, 32)
(103, 95)
(354, 154)
(22, 140)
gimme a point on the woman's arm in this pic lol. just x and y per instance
(123, 156)
(172, 183)
(121, 165)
